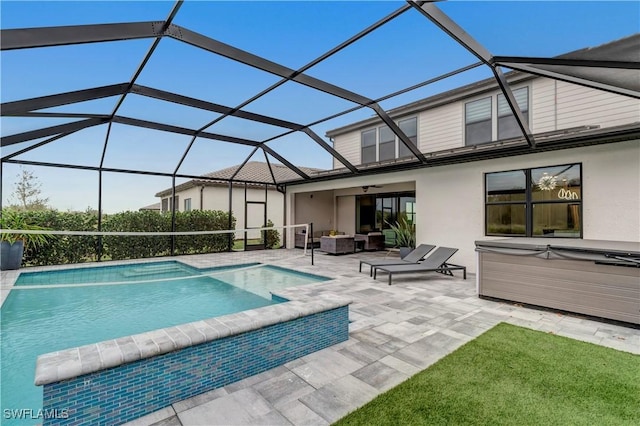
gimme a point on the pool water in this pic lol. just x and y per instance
(50, 311)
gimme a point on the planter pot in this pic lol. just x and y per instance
(11, 255)
(405, 251)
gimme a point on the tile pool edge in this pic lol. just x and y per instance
(70, 363)
(232, 348)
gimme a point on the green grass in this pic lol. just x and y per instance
(515, 376)
(239, 244)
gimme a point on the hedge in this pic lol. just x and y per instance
(65, 249)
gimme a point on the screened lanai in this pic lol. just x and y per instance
(98, 97)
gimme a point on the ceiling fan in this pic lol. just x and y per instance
(365, 188)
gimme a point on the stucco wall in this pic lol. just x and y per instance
(217, 198)
(314, 207)
(450, 199)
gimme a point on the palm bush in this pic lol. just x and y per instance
(405, 232)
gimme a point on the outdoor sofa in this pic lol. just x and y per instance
(371, 241)
(314, 240)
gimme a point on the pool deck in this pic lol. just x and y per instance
(395, 332)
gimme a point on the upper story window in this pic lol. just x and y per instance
(382, 144)
(507, 124)
(369, 148)
(387, 142)
(478, 117)
(410, 128)
(539, 202)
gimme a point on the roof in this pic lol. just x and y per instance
(153, 207)
(624, 49)
(255, 173)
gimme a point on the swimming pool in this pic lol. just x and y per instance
(50, 311)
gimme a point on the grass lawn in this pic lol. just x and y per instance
(239, 244)
(515, 376)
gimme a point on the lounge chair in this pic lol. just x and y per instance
(416, 255)
(435, 262)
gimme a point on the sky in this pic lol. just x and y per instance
(408, 50)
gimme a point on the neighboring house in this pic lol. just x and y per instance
(480, 179)
(156, 207)
(259, 199)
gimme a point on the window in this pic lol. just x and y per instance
(477, 119)
(380, 144)
(387, 148)
(167, 205)
(507, 124)
(187, 204)
(410, 128)
(539, 202)
(369, 146)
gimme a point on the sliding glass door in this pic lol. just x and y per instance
(375, 212)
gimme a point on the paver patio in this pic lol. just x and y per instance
(395, 332)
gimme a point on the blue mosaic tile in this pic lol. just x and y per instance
(129, 391)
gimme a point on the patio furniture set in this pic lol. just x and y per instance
(341, 243)
(416, 262)
(421, 259)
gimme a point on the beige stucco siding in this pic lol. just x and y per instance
(313, 207)
(450, 199)
(346, 214)
(217, 198)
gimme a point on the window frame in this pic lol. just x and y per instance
(187, 204)
(375, 146)
(400, 153)
(525, 112)
(467, 124)
(398, 146)
(495, 115)
(529, 202)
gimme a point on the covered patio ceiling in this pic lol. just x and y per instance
(617, 73)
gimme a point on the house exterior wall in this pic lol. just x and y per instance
(346, 214)
(217, 198)
(553, 105)
(450, 199)
(441, 128)
(315, 207)
(349, 146)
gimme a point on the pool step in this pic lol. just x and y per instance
(153, 270)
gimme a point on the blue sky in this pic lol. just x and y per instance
(406, 51)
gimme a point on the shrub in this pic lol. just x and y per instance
(62, 249)
(134, 247)
(272, 238)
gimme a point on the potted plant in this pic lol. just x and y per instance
(405, 235)
(12, 245)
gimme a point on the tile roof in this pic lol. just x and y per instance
(256, 172)
(154, 206)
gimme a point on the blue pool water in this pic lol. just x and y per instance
(50, 311)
